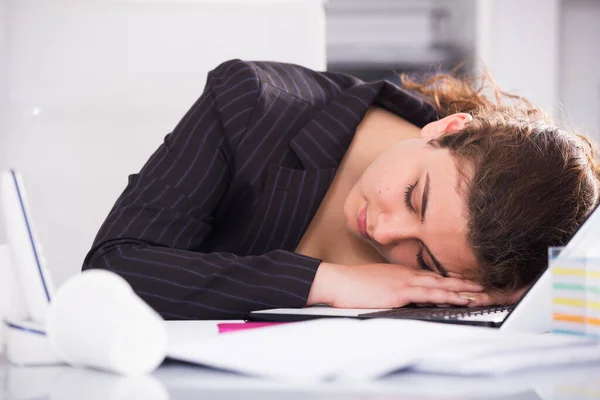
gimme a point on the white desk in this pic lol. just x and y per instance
(178, 381)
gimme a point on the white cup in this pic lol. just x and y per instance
(96, 320)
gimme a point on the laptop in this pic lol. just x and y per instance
(32, 277)
(532, 313)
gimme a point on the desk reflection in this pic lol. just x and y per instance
(66, 383)
(177, 381)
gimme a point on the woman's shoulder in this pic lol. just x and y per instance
(314, 87)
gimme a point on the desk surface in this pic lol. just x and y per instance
(177, 381)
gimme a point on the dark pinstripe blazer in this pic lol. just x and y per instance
(207, 228)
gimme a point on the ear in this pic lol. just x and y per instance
(451, 124)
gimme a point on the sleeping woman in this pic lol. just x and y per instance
(287, 187)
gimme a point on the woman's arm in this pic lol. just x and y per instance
(166, 212)
(388, 286)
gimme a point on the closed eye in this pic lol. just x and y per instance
(408, 196)
(421, 262)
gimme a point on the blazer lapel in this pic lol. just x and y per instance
(292, 196)
(323, 142)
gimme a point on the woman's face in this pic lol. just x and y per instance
(408, 204)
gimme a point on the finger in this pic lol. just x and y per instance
(478, 299)
(493, 298)
(431, 295)
(453, 276)
(439, 282)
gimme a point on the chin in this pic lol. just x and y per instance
(350, 226)
(347, 211)
(357, 235)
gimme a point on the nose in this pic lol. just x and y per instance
(391, 229)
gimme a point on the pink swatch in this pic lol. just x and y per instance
(237, 326)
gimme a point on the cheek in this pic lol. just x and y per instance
(390, 195)
(388, 176)
(402, 254)
(388, 189)
(383, 177)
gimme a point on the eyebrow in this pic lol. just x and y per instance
(424, 201)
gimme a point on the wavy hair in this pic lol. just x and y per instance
(529, 184)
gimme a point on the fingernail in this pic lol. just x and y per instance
(467, 297)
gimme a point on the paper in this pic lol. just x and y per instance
(508, 353)
(321, 310)
(311, 350)
(339, 349)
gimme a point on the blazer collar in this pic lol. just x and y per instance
(323, 142)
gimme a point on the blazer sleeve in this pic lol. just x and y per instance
(166, 211)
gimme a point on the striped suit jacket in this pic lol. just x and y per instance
(207, 228)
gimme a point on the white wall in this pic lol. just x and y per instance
(519, 42)
(580, 65)
(3, 88)
(548, 51)
(94, 86)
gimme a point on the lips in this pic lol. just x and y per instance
(362, 223)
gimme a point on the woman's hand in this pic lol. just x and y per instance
(494, 298)
(385, 286)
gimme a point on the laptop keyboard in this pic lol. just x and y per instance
(491, 314)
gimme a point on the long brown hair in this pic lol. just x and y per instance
(532, 184)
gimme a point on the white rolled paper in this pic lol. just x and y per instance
(96, 320)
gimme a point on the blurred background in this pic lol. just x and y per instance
(89, 88)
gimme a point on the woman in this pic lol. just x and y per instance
(286, 187)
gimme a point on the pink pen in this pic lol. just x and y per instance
(240, 326)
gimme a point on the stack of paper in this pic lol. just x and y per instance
(329, 349)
